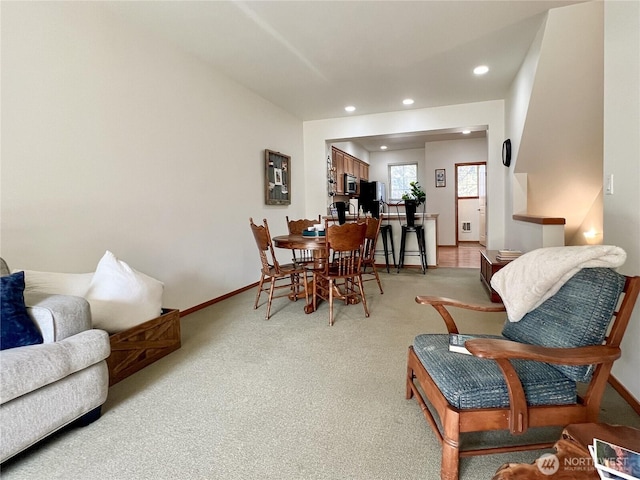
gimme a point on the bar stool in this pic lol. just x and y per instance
(387, 231)
(408, 228)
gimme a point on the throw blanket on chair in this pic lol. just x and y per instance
(528, 281)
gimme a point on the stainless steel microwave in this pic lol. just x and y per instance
(350, 183)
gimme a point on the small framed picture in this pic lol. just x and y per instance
(441, 177)
(277, 176)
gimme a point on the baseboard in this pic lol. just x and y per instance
(213, 301)
(624, 393)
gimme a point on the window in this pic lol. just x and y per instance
(467, 181)
(399, 178)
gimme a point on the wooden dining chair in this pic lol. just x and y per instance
(527, 377)
(369, 254)
(296, 227)
(277, 276)
(342, 275)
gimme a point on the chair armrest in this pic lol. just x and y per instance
(506, 349)
(451, 302)
(440, 304)
(58, 316)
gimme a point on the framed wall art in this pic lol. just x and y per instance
(277, 178)
(441, 178)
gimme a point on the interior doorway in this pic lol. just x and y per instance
(470, 202)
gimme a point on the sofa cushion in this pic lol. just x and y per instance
(26, 369)
(577, 315)
(54, 283)
(16, 328)
(122, 297)
(472, 382)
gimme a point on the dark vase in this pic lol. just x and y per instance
(410, 207)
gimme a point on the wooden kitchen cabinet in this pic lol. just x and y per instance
(345, 163)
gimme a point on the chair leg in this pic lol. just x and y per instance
(403, 239)
(273, 284)
(331, 302)
(386, 249)
(450, 464)
(375, 272)
(295, 285)
(364, 299)
(315, 292)
(306, 288)
(255, 305)
(393, 250)
(421, 248)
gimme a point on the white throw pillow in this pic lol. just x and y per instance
(56, 283)
(122, 297)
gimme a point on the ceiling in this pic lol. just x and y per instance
(313, 58)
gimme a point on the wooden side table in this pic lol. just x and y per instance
(489, 265)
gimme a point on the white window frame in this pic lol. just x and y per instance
(408, 188)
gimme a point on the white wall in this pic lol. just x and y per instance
(112, 139)
(557, 133)
(622, 159)
(490, 114)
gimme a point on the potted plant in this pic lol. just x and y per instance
(412, 200)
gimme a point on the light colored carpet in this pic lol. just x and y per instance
(288, 398)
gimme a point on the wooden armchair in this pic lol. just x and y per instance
(528, 376)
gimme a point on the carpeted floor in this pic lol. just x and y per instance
(288, 398)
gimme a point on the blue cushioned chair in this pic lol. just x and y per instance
(527, 377)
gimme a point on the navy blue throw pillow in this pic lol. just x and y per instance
(17, 328)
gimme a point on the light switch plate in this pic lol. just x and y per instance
(608, 187)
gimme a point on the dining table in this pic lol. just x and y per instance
(315, 243)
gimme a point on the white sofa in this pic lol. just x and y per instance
(47, 386)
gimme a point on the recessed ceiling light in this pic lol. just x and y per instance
(350, 108)
(481, 70)
(466, 132)
(383, 147)
(408, 101)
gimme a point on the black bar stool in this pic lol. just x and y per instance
(408, 228)
(387, 235)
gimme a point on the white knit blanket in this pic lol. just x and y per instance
(528, 281)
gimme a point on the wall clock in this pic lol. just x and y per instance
(506, 153)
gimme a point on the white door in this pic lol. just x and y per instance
(482, 204)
